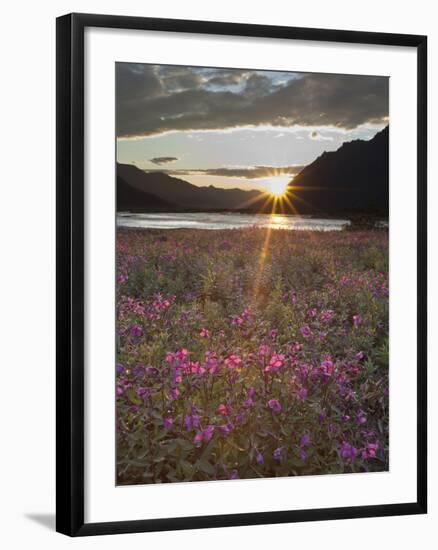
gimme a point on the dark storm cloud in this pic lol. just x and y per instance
(136, 83)
(153, 99)
(258, 85)
(177, 79)
(251, 172)
(230, 77)
(163, 160)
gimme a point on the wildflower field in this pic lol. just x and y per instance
(250, 353)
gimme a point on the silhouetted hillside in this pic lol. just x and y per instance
(353, 178)
(180, 193)
(130, 198)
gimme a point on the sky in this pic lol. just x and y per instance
(239, 127)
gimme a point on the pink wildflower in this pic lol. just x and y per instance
(357, 320)
(326, 315)
(167, 422)
(302, 394)
(370, 450)
(204, 435)
(233, 361)
(264, 350)
(274, 405)
(275, 363)
(136, 331)
(222, 409)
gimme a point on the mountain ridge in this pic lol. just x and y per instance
(179, 192)
(354, 178)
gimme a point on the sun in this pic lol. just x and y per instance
(277, 185)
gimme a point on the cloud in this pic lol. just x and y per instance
(248, 172)
(153, 99)
(163, 160)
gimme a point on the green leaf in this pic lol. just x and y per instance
(205, 466)
(184, 444)
(133, 397)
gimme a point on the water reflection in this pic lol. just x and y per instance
(205, 220)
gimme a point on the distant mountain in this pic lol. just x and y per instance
(353, 178)
(130, 198)
(174, 191)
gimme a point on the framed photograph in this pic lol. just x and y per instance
(241, 274)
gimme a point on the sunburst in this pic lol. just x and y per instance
(277, 185)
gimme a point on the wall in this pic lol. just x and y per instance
(28, 262)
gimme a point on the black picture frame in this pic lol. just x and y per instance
(70, 273)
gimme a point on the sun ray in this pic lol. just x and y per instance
(289, 203)
(276, 185)
(263, 256)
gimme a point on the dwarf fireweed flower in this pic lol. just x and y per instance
(248, 403)
(121, 279)
(302, 394)
(275, 363)
(357, 320)
(246, 314)
(143, 392)
(326, 315)
(191, 421)
(225, 429)
(370, 451)
(239, 418)
(236, 320)
(181, 354)
(278, 453)
(233, 361)
(136, 331)
(347, 451)
(138, 370)
(361, 417)
(264, 350)
(193, 367)
(296, 347)
(312, 313)
(273, 333)
(251, 392)
(274, 405)
(222, 409)
(204, 333)
(167, 422)
(305, 331)
(304, 370)
(211, 362)
(173, 394)
(326, 368)
(204, 435)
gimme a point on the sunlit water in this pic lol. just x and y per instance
(205, 220)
